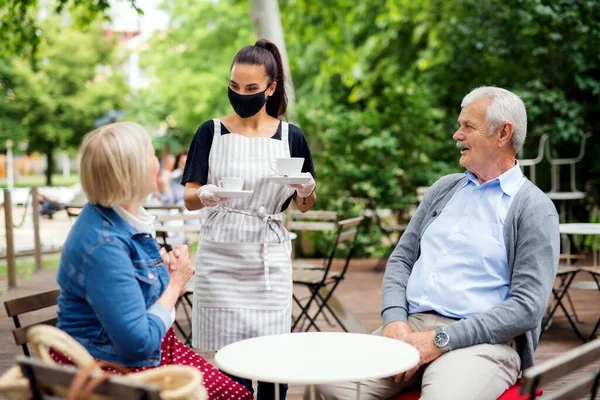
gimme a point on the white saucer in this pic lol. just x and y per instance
(291, 180)
(233, 194)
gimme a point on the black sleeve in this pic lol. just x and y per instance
(196, 166)
(299, 148)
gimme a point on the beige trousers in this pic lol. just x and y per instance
(479, 372)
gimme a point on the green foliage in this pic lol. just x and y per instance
(191, 60)
(379, 83)
(52, 99)
(20, 32)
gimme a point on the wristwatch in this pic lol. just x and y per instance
(441, 340)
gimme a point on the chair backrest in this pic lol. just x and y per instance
(73, 211)
(345, 236)
(556, 162)
(44, 376)
(312, 220)
(561, 366)
(532, 162)
(23, 305)
(179, 222)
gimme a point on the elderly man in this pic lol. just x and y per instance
(469, 280)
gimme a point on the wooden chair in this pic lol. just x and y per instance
(163, 228)
(561, 366)
(17, 307)
(322, 282)
(43, 377)
(315, 221)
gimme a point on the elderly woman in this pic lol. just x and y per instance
(117, 290)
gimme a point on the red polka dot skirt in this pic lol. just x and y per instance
(218, 385)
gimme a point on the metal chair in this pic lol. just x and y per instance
(566, 274)
(595, 273)
(532, 162)
(322, 282)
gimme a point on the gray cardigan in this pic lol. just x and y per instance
(532, 244)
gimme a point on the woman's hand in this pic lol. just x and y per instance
(208, 195)
(179, 266)
(304, 189)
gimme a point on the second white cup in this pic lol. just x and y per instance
(291, 166)
(232, 183)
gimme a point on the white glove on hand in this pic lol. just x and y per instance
(305, 189)
(208, 196)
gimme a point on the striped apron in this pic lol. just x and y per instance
(243, 271)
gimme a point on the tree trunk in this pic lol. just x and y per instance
(267, 25)
(50, 166)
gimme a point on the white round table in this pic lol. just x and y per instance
(317, 358)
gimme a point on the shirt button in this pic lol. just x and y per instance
(434, 276)
(425, 298)
(467, 212)
(445, 252)
(478, 191)
(151, 275)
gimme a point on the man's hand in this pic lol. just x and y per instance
(423, 342)
(396, 330)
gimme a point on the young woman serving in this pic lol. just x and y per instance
(243, 272)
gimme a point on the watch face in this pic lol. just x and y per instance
(441, 339)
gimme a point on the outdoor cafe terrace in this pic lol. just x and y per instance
(357, 302)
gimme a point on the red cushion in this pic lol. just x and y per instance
(511, 393)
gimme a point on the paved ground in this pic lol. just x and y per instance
(360, 295)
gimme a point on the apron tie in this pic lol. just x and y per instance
(267, 219)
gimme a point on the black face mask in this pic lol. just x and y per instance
(247, 105)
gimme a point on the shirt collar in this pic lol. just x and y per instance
(116, 220)
(509, 181)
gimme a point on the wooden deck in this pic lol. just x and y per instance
(360, 296)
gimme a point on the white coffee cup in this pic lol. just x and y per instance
(232, 183)
(288, 166)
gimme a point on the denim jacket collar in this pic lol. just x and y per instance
(115, 220)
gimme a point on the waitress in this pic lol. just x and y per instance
(243, 272)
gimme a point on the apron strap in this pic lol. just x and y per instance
(267, 219)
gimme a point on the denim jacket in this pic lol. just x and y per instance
(110, 276)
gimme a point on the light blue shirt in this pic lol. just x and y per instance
(463, 266)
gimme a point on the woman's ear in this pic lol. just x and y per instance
(272, 89)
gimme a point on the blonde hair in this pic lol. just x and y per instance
(113, 164)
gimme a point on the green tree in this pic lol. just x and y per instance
(544, 50)
(190, 63)
(54, 99)
(20, 31)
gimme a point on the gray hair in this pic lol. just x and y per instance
(504, 107)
